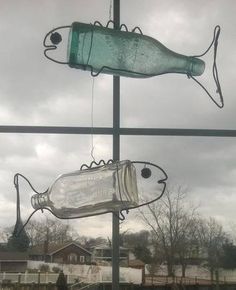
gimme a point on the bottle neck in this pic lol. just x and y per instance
(162, 60)
(196, 66)
(179, 63)
(40, 200)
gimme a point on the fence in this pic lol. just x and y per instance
(92, 275)
(33, 281)
(37, 278)
(32, 286)
(198, 272)
(39, 281)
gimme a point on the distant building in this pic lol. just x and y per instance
(104, 253)
(69, 253)
(13, 261)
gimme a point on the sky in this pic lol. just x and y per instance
(35, 91)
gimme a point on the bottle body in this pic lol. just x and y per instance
(93, 191)
(129, 54)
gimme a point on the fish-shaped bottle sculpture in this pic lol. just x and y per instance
(84, 192)
(110, 187)
(102, 49)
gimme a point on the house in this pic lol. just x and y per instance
(68, 253)
(104, 253)
(13, 261)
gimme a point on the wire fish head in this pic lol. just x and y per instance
(151, 182)
(53, 40)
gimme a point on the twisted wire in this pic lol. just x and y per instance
(214, 69)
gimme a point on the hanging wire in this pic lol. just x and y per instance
(214, 69)
(110, 10)
(92, 119)
(125, 27)
(100, 163)
(137, 28)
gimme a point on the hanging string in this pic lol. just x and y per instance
(92, 119)
(110, 10)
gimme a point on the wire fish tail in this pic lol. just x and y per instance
(214, 44)
(19, 225)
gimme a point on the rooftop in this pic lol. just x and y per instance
(13, 256)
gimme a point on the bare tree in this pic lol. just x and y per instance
(172, 222)
(132, 239)
(212, 239)
(89, 242)
(48, 231)
(138, 243)
(187, 243)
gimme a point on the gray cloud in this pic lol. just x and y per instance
(35, 91)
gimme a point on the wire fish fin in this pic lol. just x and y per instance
(214, 43)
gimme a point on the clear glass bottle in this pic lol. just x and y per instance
(102, 189)
(97, 48)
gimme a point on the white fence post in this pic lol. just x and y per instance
(25, 277)
(19, 278)
(100, 276)
(38, 277)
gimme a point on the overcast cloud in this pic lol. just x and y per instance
(35, 91)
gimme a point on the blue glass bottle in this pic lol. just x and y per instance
(101, 49)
